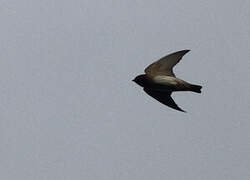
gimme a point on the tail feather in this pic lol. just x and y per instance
(195, 88)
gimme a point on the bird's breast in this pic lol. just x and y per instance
(165, 80)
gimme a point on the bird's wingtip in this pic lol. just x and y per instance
(183, 110)
(187, 50)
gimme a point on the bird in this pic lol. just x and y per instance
(159, 80)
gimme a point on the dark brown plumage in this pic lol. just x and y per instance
(159, 81)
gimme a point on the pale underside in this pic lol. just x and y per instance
(165, 80)
(169, 83)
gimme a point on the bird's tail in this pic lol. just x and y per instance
(195, 88)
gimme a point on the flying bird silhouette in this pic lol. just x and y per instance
(159, 81)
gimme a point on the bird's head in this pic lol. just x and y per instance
(141, 80)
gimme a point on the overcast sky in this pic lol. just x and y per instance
(68, 107)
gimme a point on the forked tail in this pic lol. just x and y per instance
(195, 88)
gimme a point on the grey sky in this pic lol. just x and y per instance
(69, 109)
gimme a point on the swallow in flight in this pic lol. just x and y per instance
(159, 81)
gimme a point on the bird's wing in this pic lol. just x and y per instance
(163, 97)
(164, 66)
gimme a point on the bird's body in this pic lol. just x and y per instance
(164, 83)
(160, 81)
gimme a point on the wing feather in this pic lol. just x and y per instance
(164, 66)
(163, 97)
